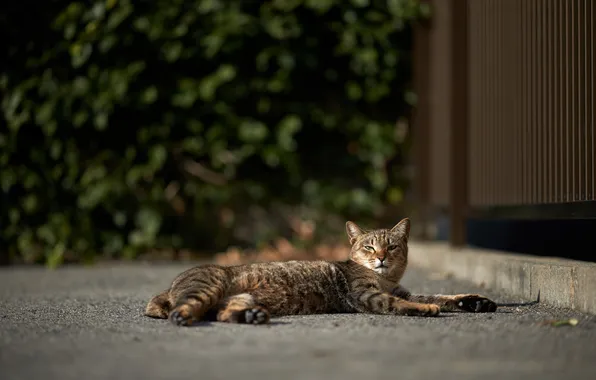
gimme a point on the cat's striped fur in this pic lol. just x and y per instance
(366, 283)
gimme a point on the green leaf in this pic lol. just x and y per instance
(226, 73)
(353, 90)
(80, 118)
(45, 112)
(149, 222)
(8, 178)
(30, 203)
(172, 51)
(288, 126)
(149, 95)
(111, 4)
(251, 131)
(120, 218)
(360, 3)
(157, 156)
(80, 53)
(92, 174)
(101, 121)
(93, 196)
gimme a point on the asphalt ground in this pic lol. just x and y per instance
(88, 323)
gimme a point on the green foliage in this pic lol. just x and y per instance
(132, 125)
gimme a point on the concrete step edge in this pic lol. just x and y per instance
(561, 282)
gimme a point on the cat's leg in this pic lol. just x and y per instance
(401, 292)
(474, 303)
(159, 306)
(241, 308)
(377, 302)
(196, 293)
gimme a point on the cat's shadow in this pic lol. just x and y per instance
(521, 304)
(216, 323)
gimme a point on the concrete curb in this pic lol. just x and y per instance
(564, 283)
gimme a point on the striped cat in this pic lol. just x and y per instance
(366, 283)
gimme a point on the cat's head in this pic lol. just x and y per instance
(384, 250)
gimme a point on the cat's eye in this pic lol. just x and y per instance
(392, 248)
(369, 248)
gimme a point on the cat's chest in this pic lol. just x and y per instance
(372, 282)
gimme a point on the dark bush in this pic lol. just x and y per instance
(135, 125)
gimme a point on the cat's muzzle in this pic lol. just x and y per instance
(381, 267)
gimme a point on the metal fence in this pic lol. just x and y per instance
(506, 112)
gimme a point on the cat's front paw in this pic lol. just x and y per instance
(182, 316)
(474, 303)
(421, 310)
(433, 310)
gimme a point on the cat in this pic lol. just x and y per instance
(368, 282)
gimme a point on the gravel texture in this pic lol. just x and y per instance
(87, 323)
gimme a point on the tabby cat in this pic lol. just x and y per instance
(368, 282)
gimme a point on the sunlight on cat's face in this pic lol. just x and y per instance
(384, 251)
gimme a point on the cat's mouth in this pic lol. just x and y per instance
(381, 269)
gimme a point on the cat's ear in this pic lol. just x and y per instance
(402, 228)
(353, 231)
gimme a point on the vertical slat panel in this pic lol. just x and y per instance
(578, 152)
(583, 9)
(526, 100)
(491, 128)
(581, 102)
(540, 85)
(560, 106)
(484, 94)
(521, 5)
(592, 103)
(504, 121)
(498, 120)
(570, 103)
(505, 118)
(491, 96)
(482, 103)
(568, 121)
(551, 27)
(459, 101)
(555, 100)
(531, 102)
(421, 58)
(439, 88)
(475, 141)
(517, 99)
(547, 125)
(574, 152)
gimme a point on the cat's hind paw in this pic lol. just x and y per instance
(255, 316)
(181, 316)
(421, 310)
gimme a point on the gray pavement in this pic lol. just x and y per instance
(87, 323)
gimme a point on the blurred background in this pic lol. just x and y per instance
(183, 128)
(254, 129)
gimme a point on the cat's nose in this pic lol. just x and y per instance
(381, 258)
